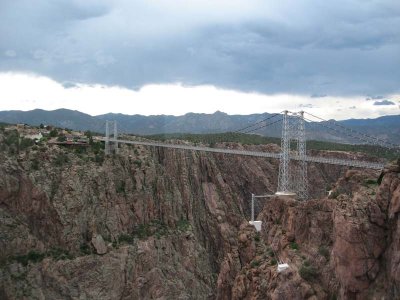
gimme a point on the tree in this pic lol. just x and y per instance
(53, 132)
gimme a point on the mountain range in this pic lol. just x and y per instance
(386, 127)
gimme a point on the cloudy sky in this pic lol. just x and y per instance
(338, 59)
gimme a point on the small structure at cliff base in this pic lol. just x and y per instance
(282, 267)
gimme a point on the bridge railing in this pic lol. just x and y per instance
(314, 159)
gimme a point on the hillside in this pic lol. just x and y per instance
(387, 127)
(151, 223)
(63, 118)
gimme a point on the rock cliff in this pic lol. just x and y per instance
(168, 224)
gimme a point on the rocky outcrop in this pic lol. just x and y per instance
(168, 224)
(343, 246)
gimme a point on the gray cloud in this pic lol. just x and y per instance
(374, 98)
(318, 95)
(384, 102)
(317, 48)
(308, 105)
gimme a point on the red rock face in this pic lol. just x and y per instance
(341, 247)
(157, 223)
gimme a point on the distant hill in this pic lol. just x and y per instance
(63, 118)
(387, 127)
(189, 123)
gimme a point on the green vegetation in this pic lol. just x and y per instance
(25, 143)
(61, 138)
(370, 183)
(138, 163)
(35, 164)
(155, 227)
(125, 238)
(15, 143)
(59, 254)
(85, 249)
(307, 271)
(255, 263)
(372, 150)
(183, 225)
(120, 187)
(53, 133)
(274, 262)
(213, 138)
(294, 246)
(253, 139)
(60, 159)
(270, 252)
(35, 256)
(324, 251)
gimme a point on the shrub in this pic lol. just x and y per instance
(120, 187)
(32, 256)
(60, 159)
(294, 246)
(53, 133)
(155, 227)
(85, 249)
(25, 143)
(99, 158)
(371, 181)
(308, 272)
(96, 147)
(271, 252)
(125, 238)
(324, 252)
(274, 262)
(255, 263)
(334, 194)
(138, 162)
(61, 138)
(35, 164)
(35, 256)
(59, 254)
(183, 225)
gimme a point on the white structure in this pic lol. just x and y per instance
(37, 136)
(282, 267)
(256, 224)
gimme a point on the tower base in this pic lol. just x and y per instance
(256, 224)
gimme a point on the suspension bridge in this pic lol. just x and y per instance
(293, 179)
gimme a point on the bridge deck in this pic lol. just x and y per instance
(315, 159)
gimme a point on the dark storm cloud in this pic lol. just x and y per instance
(384, 102)
(307, 47)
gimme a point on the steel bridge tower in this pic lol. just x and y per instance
(109, 146)
(292, 178)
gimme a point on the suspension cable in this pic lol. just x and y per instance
(349, 135)
(377, 140)
(270, 117)
(266, 125)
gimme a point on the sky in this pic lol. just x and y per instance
(337, 59)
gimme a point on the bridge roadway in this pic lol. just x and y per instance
(315, 159)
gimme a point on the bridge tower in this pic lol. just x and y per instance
(292, 178)
(109, 146)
